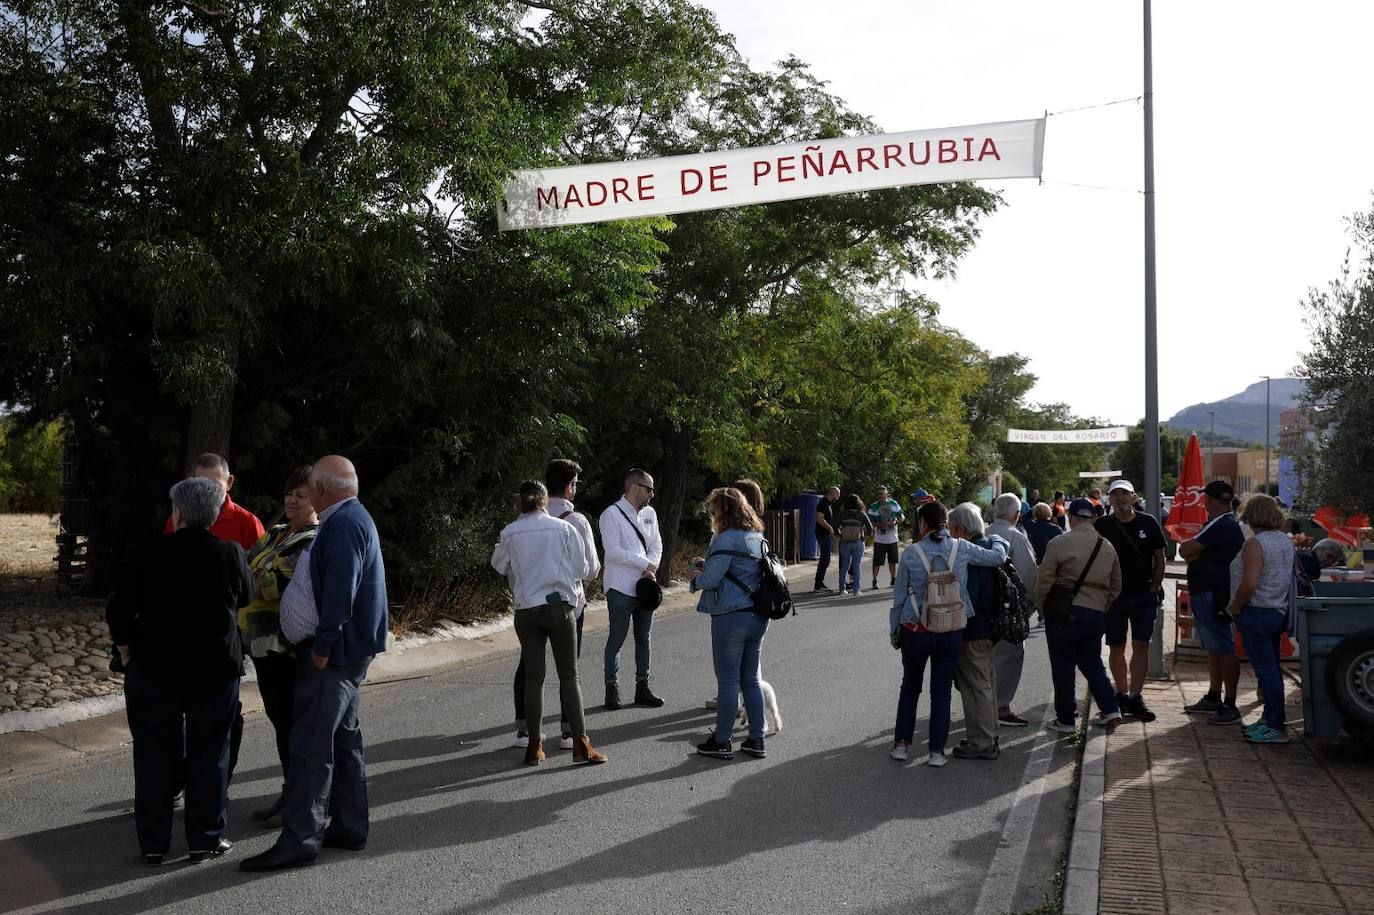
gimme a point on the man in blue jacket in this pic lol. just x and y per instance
(334, 612)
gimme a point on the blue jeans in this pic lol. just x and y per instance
(170, 718)
(851, 564)
(1215, 634)
(1074, 646)
(623, 610)
(1261, 628)
(823, 563)
(327, 777)
(942, 650)
(736, 648)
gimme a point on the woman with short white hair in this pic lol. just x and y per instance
(975, 676)
(178, 638)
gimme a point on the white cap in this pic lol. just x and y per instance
(1120, 484)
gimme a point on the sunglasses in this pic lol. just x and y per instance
(650, 488)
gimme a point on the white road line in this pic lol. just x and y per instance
(1004, 874)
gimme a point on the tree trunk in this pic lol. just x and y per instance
(673, 490)
(211, 420)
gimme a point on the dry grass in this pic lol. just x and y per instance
(462, 603)
(28, 576)
(27, 546)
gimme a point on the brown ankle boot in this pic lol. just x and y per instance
(584, 752)
(534, 755)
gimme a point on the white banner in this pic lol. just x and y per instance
(540, 198)
(1098, 474)
(1067, 436)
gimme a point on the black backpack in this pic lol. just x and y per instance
(1011, 615)
(772, 598)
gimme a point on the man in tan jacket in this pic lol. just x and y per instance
(1086, 566)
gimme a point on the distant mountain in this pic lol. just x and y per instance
(1241, 416)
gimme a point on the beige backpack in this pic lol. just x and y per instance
(943, 609)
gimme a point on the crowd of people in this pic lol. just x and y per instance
(306, 601)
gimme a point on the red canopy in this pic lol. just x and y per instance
(1188, 515)
(1341, 527)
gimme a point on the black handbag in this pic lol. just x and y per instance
(1059, 602)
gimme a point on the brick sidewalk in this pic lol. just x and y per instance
(1197, 821)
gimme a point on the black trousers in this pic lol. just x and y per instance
(165, 714)
(520, 677)
(277, 684)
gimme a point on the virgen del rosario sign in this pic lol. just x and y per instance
(542, 198)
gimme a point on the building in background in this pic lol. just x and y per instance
(1243, 468)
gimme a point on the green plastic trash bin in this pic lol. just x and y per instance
(1336, 632)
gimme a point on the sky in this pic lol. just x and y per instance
(1261, 153)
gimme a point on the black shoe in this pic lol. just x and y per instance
(1123, 702)
(754, 747)
(1012, 720)
(196, 857)
(613, 697)
(1138, 710)
(152, 858)
(277, 859)
(645, 696)
(964, 751)
(715, 749)
(345, 843)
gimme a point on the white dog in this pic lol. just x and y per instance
(772, 718)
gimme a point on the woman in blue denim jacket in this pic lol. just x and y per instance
(727, 583)
(917, 644)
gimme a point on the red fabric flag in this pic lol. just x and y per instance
(1188, 515)
(1341, 527)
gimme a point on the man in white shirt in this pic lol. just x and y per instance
(561, 478)
(633, 548)
(1008, 659)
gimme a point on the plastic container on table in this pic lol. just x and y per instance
(1336, 631)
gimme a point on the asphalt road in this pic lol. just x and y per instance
(826, 823)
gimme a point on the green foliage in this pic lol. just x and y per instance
(30, 466)
(1338, 368)
(268, 230)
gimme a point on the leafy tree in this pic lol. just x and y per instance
(30, 466)
(709, 357)
(221, 229)
(988, 413)
(1338, 368)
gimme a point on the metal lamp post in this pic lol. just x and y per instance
(1266, 435)
(1152, 474)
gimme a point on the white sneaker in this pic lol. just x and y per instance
(900, 753)
(1058, 726)
(937, 760)
(522, 739)
(1107, 721)
(565, 742)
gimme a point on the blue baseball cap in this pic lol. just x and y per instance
(1082, 508)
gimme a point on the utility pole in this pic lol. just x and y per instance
(1266, 435)
(1212, 446)
(1152, 474)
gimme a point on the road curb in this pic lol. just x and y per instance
(1082, 877)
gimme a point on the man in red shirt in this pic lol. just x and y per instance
(235, 524)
